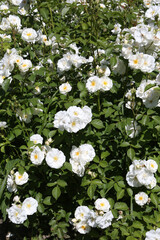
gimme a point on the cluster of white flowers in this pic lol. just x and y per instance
(151, 96)
(80, 157)
(95, 84)
(74, 119)
(141, 198)
(10, 22)
(153, 234)
(132, 129)
(141, 172)
(54, 157)
(69, 59)
(16, 179)
(10, 58)
(103, 83)
(86, 218)
(144, 62)
(18, 213)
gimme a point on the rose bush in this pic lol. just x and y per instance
(79, 119)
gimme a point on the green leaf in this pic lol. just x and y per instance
(149, 86)
(103, 164)
(61, 183)
(64, 11)
(154, 199)
(67, 166)
(104, 154)
(91, 191)
(124, 230)
(113, 61)
(130, 192)
(121, 206)
(156, 119)
(124, 144)
(3, 186)
(5, 84)
(39, 197)
(121, 184)
(18, 77)
(108, 51)
(80, 86)
(120, 194)
(84, 26)
(41, 207)
(44, 13)
(56, 192)
(148, 219)
(97, 182)
(131, 238)
(97, 123)
(138, 225)
(145, 120)
(131, 153)
(17, 132)
(47, 201)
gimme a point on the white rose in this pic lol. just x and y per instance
(21, 179)
(102, 204)
(55, 158)
(37, 156)
(141, 198)
(30, 205)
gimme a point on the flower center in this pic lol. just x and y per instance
(102, 204)
(36, 156)
(29, 34)
(135, 61)
(55, 158)
(105, 83)
(140, 198)
(93, 83)
(73, 124)
(83, 227)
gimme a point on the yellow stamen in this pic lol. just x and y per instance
(105, 83)
(135, 61)
(83, 227)
(55, 158)
(77, 153)
(75, 113)
(29, 34)
(73, 124)
(93, 83)
(140, 198)
(36, 156)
